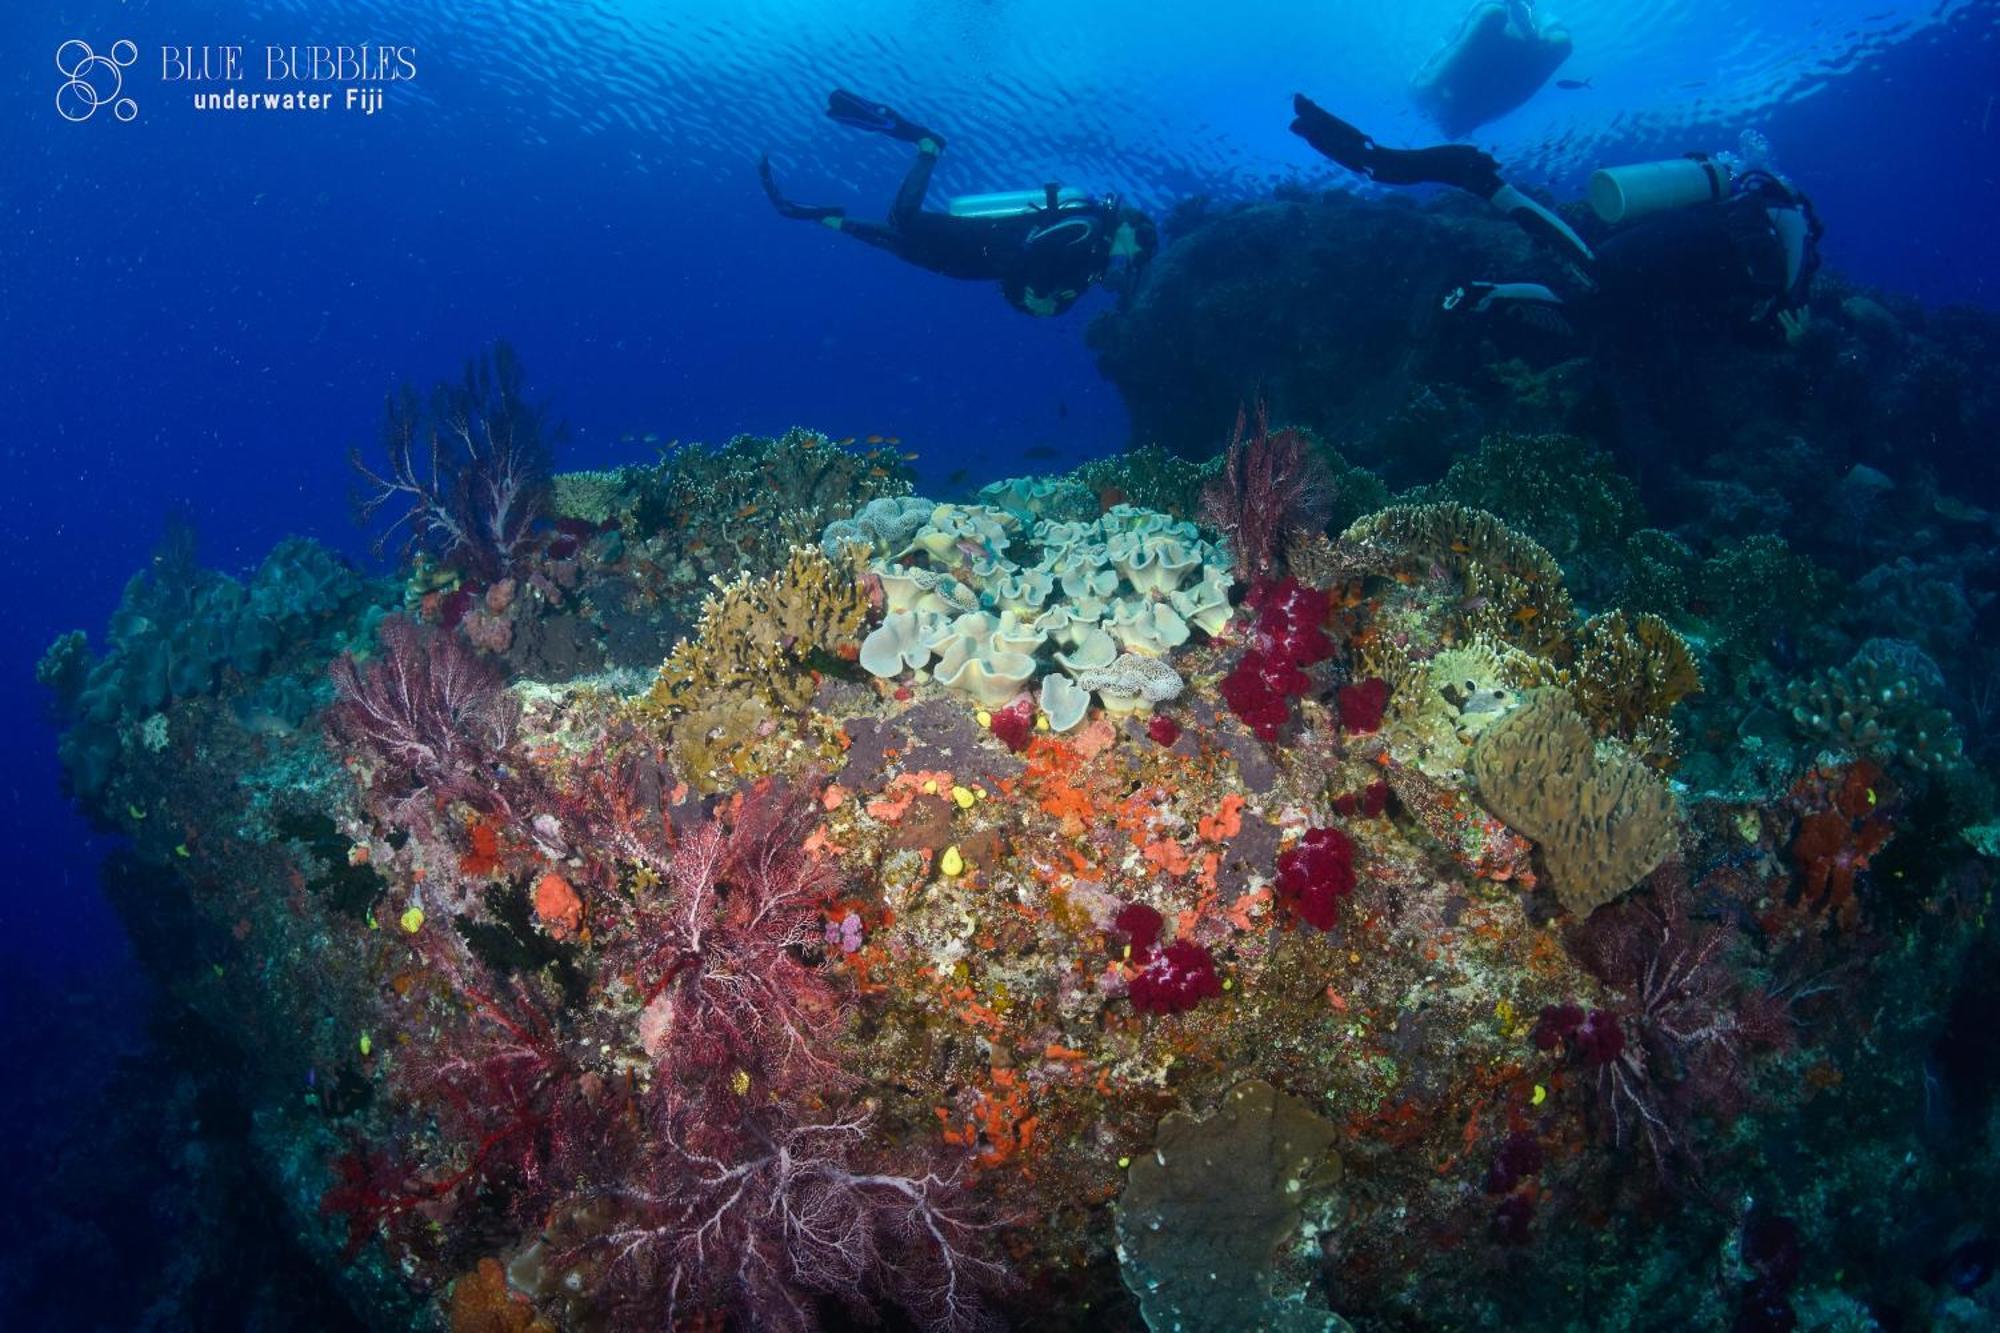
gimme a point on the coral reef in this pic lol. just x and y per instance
(995, 913)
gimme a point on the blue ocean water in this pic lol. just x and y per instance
(200, 312)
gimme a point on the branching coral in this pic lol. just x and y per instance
(1886, 703)
(472, 470)
(757, 635)
(1272, 488)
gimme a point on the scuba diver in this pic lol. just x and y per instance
(1498, 59)
(1044, 247)
(1697, 243)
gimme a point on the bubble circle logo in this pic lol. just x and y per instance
(93, 80)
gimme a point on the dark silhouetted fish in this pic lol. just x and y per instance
(1572, 85)
(1036, 453)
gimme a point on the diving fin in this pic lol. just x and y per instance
(1331, 135)
(874, 117)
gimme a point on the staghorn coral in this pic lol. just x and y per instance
(1513, 588)
(1208, 1215)
(1628, 674)
(1601, 819)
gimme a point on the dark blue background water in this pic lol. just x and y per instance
(204, 310)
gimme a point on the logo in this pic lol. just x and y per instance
(93, 80)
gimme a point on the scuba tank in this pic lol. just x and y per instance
(1620, 194)
(1013, 203)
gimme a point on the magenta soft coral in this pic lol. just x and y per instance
(1315, 875)
(1169, 980)
(1288, 635)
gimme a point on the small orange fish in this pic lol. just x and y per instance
(878, 471)
(749, 510)
(909, 457)
(892, 439)
(1460, 548)
(1526, 613)
(849, 440)
(874, 439)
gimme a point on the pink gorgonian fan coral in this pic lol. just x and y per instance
(766, 1217)
(1271, 488)
(720, 948)
(471, 473)
(430, 710)
(1671, 1048)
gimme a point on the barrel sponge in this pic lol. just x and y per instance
(1209, 1213)
(1601, 818)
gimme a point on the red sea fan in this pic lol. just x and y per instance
(1271, 488)
(1671, 1049)
(719, 948)
(471, 473)
(766, 1216)
(430, 710)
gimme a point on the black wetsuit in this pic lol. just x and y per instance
(1044, 259)
(1718, 266)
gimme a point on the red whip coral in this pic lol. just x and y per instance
(763, 1217)
(1315, 875)
(430, 709)
(1271, 488)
